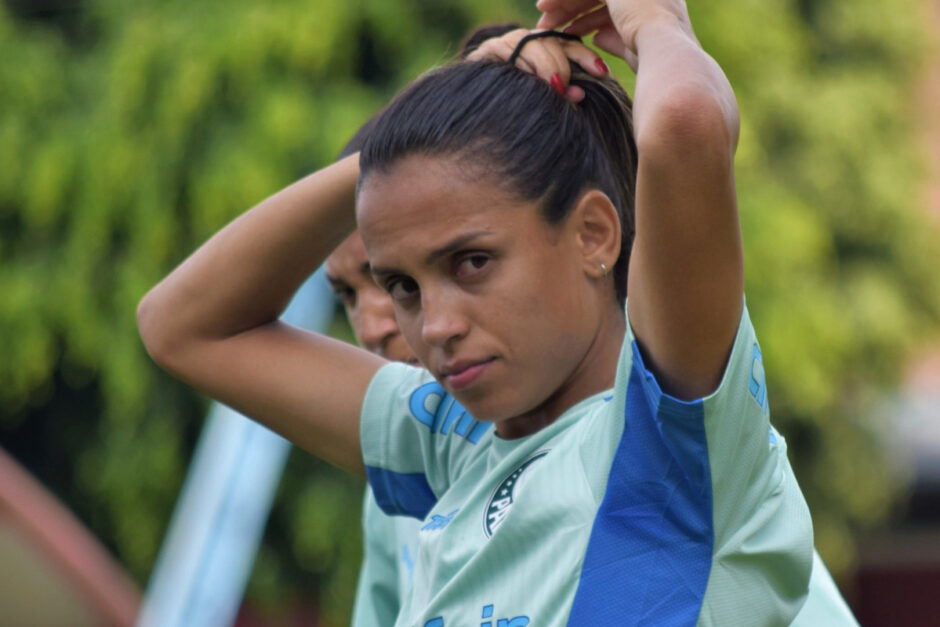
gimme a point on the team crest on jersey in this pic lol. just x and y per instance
(504, 495)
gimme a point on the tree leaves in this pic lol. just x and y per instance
(129, 132)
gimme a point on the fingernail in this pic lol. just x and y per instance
(600, 65)
(557, 85)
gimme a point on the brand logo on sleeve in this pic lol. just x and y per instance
(504, 495)
(757, 386)
(438, 521)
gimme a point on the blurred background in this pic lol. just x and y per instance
(131, 131)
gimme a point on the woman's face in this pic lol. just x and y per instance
(493, 301)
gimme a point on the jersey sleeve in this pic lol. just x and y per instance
(415, 439)
(762, 527)
(698, 492)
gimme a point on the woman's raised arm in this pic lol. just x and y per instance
(213, 322)
(686, 273)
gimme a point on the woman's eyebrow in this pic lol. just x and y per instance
(451, 246)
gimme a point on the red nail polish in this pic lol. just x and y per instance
(557, 85)
(600, 65)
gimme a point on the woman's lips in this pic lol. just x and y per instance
(464, 376)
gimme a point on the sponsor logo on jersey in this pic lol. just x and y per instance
(442, 414)
(504, 495)
(488, 611)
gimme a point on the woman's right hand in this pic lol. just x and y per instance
(546, 57)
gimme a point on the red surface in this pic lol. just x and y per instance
(897, 597)
(55, 533)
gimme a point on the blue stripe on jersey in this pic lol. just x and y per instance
(650, 551)
(401, 493)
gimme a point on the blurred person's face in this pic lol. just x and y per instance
(368, 307)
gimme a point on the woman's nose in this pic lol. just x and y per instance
(443, 322)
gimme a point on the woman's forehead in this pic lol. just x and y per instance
(425, 194)
(421, 207)
(408, 178)
(422, 228)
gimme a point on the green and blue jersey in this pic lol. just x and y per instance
(631, 508)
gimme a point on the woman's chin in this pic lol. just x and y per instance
(490, 408)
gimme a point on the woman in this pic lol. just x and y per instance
(633, 476)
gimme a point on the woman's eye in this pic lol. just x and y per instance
(471, 264)
(401, 289)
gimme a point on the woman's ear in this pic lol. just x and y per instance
(597, 228)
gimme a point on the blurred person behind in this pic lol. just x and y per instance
(389, 542)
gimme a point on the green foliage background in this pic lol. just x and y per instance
(129, 132)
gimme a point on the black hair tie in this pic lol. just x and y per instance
(539, 35)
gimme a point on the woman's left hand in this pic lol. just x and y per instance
(546, 57)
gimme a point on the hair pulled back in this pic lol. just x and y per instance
(514, 128)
